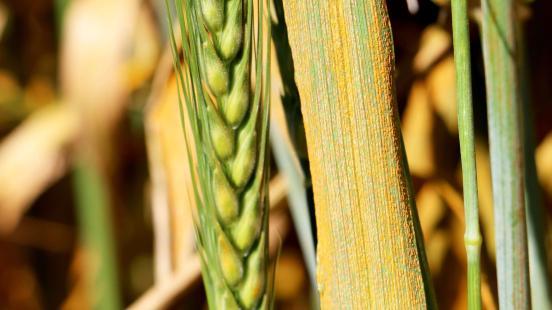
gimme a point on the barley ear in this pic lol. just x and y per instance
(247, 229)
(215, 70)
(213, 13)
(228, 115)
(230, 261)
(230, 39)
(227, 302)
(222, 137)
(236, 103)
(243, 164)
(253, 286)
(226, 199)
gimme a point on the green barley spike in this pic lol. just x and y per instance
(229, 122)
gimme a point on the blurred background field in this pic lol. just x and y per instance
(92, 157)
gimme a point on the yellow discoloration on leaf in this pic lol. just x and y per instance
(367, 251)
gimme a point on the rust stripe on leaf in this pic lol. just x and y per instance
(367, 251)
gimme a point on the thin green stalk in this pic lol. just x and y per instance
(95, 228)
(472, 236)
(500, 51)
(60, 7)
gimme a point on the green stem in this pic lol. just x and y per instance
(500, 50)
(96, 233)
(60, 7)
(472, 237)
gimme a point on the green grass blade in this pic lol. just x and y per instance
(500, 50)
(541, 292)
(297, 197)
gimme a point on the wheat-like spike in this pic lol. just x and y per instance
(233, 132)
(229, 117)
